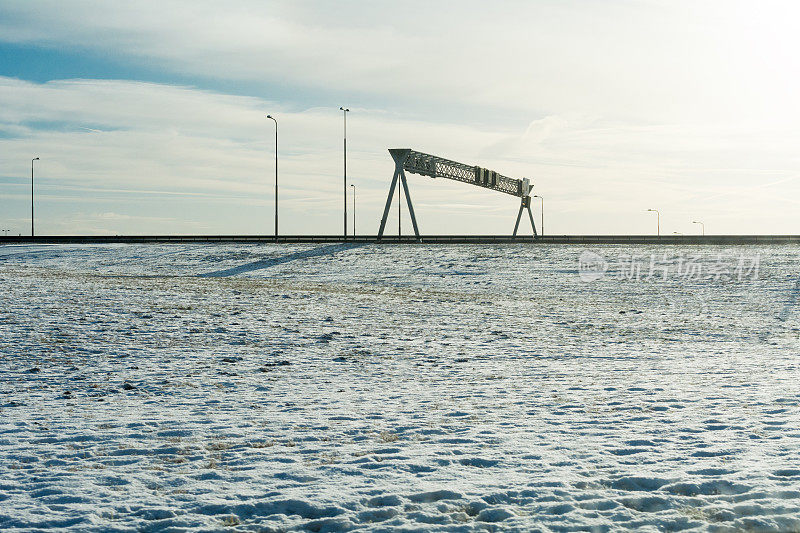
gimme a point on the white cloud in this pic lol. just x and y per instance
(646, 60)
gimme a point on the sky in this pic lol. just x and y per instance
(150, 117)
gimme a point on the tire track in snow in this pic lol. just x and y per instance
(787, 309)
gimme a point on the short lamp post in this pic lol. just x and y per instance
(541, 211)
(354, 209)
(702, 227)
(32, 160)
(658, 221)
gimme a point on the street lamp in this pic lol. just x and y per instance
(276, 173)
(702, 226)
(32, 160)
(658, 221)
(344, 113)
(542, 211)
(354, 209)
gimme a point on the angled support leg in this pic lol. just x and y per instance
(533, 225)
(410, 206)
(519, 216)
(388, 204)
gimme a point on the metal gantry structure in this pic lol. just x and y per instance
(408, 160)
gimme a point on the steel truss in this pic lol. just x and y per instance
(407, 160)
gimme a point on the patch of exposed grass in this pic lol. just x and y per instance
(388, 436)
(231, 520)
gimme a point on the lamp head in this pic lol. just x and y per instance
(35, 159)
(343, 109)
(269, 116)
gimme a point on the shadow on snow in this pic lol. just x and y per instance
(266, 263)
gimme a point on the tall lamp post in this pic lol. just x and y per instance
(354, 209)
(276, 173)
(702, 226)
(344, 113)
(658, 221)
(32, 160)
(542, 211)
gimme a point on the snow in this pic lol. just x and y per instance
(409, 388)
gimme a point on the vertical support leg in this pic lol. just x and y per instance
(519, 216)
(388, 204)
(530, 215)
(410, 206)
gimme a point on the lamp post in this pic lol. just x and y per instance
(542, 211)
(32, 160)
(702, 226)
(658, 221)
(354, 209)
(344, 113)
(276, 173)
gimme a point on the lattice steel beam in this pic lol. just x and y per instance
(439, 167)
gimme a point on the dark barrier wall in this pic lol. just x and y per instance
(429, 239)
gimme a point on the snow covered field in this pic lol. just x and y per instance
(453, 388)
